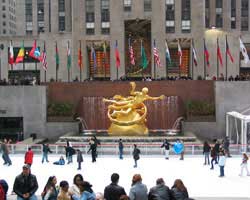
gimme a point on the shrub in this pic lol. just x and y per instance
(196, 108)
(60, 109)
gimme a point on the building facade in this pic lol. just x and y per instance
(95, 29)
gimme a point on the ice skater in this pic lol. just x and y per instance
(166, 146)
(79, 159)
(120, 149)
(5, 153)
(136, 154)
(92, 148)
(46, 149)
(28, 159)
(206, 152)
(222, 163)
(244, 164)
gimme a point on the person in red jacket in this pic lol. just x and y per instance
(29, 157)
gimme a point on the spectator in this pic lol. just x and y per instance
(25, 184)
(124, 197)
(160, 191)
(50, 191)
(179, 191)
(138, 190)
(86, 191)
(99, 196)
(3, 189)
(114, 191)
(64, 194)
(28, 159)
(74, 189)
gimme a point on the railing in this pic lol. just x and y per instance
(112, 149)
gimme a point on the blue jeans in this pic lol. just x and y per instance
(207, 158)
(135, 163)
(70, 159)
(121, 153)
(33, 197)
(221, 170)
(45, 156)
(6, 158)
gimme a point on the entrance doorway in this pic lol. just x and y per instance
(11, 127)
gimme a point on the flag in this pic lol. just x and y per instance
(179, 54)
(219, 56)
(156, 56)
(35, 53)
(167, 52)
(93, 55)
(11, 54)
(244, 51)
(20, 56)
(57, 58)
(104, 53)
(194, 54)
(80, 57)
(68, 57)
(117, 55)
(206, 54)
(43, 58)
(131, 53)
(144, 61)
(228, 52)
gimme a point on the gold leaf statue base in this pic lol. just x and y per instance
(132, 130)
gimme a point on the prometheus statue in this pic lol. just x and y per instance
(128, 114)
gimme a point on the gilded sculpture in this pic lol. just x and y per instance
(128, 114)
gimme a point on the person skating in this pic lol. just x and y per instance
(243, 164)
(222, 162)
(92, 148)
(136, 154)
(46, 150)
(70, 151)
(213, 156)
(120, 149)
(79, 158)
(5, 153)
(28, 159)
(226, 144)
(166, 146)
(217, 151)
(206, 152)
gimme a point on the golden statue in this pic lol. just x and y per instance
(128, 114)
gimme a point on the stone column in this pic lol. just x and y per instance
(68, 15)
(54, 16)
(34, 18)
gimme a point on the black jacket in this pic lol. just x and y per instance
(25, 184)
(113, 192)
(136, 153)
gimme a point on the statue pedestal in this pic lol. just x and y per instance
(132, 130)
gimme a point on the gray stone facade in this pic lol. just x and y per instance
(75, 31)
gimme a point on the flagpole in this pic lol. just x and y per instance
(217, 59)
(11, 66)
(192, 59)
(154, 64)
(24, 57)
(205, 64)
(105, 52)
(226, 58)
(56, 63)
(44, 49)
(80, 61)
(68, 63)
(180, 60)
(116, 66)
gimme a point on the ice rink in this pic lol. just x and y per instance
(198, 178)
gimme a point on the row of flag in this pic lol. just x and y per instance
(41, 57)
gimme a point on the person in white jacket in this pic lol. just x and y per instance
(222, 163)
(244, 164)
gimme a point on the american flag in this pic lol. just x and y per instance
(156, 56)
(43, 59)
(131, 53)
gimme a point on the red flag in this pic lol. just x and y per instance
(131, 52)
(229, 52)
(179, 54)
(11, 54)
(43, 58)
(219, 56)
(117, 55)
(80, 56)
(206, 53)
(156, 56)
(194, 54)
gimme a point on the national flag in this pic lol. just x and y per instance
(35, 53)
(104, 53)
(20, 56)
(11, 54)
(93, 56)
(167, 52)
(131, 52)
(117, 55)
(43, 58)
(244, 51)
(219, 56)
(68, 57)
(179, 54)
(57, 58)
(206, 54)
(80, 57)
(157, 59)
(144, 61)
(194, 54)
(228, 52)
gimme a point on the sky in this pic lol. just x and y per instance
(198, 178)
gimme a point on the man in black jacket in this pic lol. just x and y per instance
(25, 185)
(114, 191)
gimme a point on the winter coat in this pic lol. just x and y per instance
(46, 149)
(222, 161)
(70, 151)
(206, 148)
(166, 145)
(217, 148)
(120, 145)
(113, 192)
(136, 154)
(3, 189)
(79, 157)
(138, 192)
(25, 184)
(29, 157)
(4, 148)
(160, 192)
(179, 195)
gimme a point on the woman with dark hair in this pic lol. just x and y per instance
(136, 154)
(50, 191)
(206, 152)
(74, 189)
(179, 191)
(86, 192)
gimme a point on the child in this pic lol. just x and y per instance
(61, 161)
(222, 163)
(79, 159)
(244, 164)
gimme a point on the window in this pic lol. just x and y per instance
(61, 23)
(3, 8)
(207, 14)
(170, 18)
(90, 17)
(186, 16)
(4, 31)
(244, 15)
(105, 16)
(28, 10)
(233, 14)
(61, 5)
(147, 5)
(40, 15)
(4, 23)
(219, 17)
(127, 5)
(4, 15)
(61, 11)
